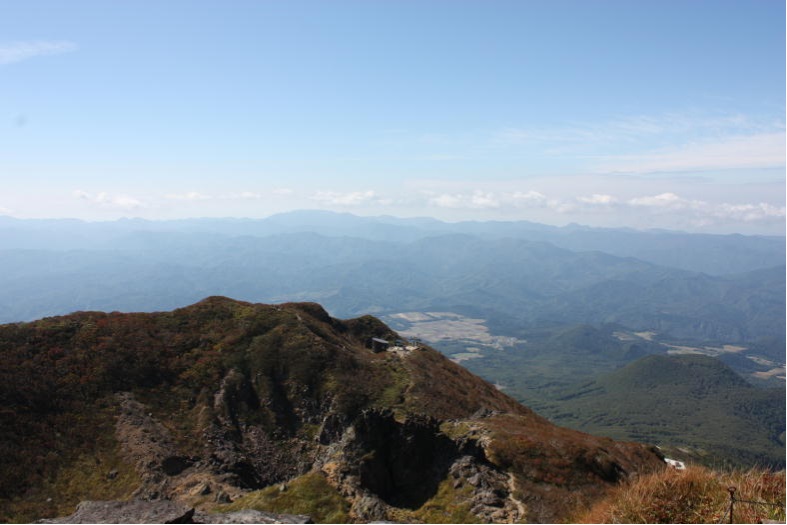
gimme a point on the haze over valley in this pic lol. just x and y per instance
(538, 311)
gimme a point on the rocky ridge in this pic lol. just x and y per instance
(226, 406)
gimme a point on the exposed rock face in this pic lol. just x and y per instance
(249, 516)
(493, 500)
(231, 397)
(162, 511)
(136, 511)
(148, 445)
(400, 462)
(380, 462)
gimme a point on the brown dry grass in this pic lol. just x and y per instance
(696, 495)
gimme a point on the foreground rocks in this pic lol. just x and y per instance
(250, 516)
(162, 511)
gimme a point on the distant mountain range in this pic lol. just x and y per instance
(493, 269)
(711, 254)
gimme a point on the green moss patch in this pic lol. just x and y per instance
(449, 505)
(309, 494)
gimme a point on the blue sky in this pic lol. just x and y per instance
(651, 114)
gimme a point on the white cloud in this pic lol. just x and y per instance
(751, 212)
(353, 198)
(562, 206)
(189, 196)
(663, 200)
(704, 213)
(244, 195)
(764, 150)
(237, 195)
(19, 51)
(477, 200)
(666, 143)
(530, 197)
(598, 198)
(481, 199)
(447, 201)
(659, 207)
(125, 202)
(105, 200)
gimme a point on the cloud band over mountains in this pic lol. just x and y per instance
(698, 213)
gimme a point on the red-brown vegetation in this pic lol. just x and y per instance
(696, 495)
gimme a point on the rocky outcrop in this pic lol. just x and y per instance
(135, 511)
(162, 511)
(492, 499)
(382, 463)
(378, 461)
(165, 472)
(249, 516)
(148, 445)
(401, 462)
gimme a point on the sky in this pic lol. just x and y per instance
(644, 114)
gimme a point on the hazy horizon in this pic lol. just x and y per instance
(377, 216)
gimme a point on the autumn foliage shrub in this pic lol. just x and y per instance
(695, 495)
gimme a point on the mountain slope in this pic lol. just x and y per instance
(690, 401)
(214, 402)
